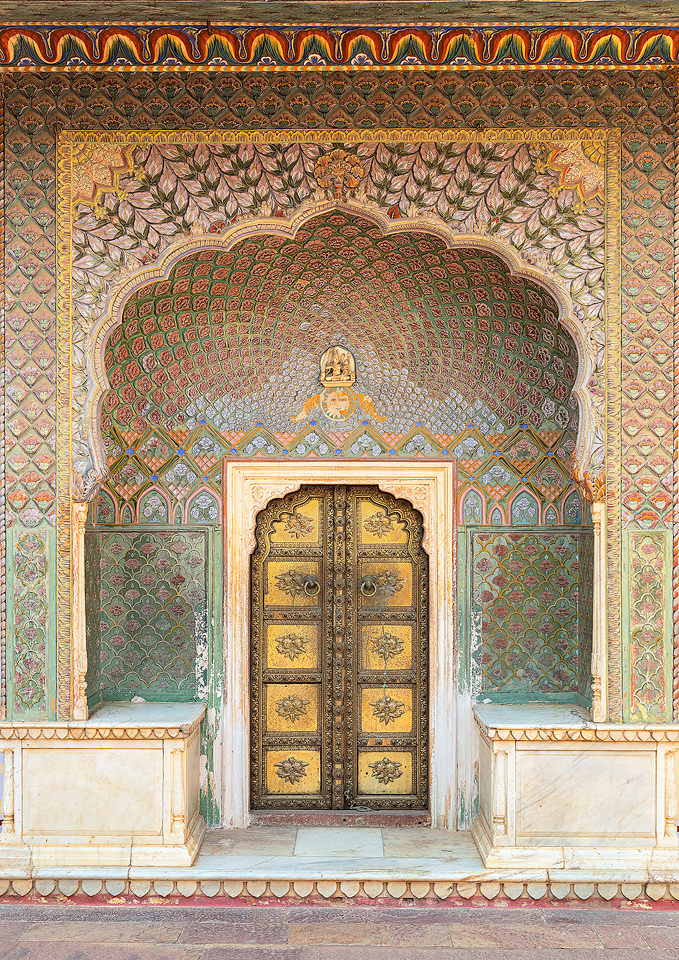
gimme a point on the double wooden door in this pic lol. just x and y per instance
(339, 644)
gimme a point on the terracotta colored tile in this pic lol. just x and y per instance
(102, 932)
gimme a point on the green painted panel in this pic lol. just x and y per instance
(647, 625)
(529, 632)
(31, 622)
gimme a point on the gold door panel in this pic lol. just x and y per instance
(292, 583)
(293, 771)
(291, 707)
(291, 647)
(339, 595)
(386, 711)
(385, 771)
(386, 646)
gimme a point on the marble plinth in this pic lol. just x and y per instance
(561, 793)
(119, 789)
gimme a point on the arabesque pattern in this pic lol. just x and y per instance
(456, 353)
(648, 655)
(31, 616)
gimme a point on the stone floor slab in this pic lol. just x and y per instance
(83, 950)
(257, 930)
(98, 932)
(322, 842)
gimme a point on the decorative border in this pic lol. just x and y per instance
(66, 144)
(599, 733)
(479, 893)
(675, 416)
(319, 47)
(3, 446)
(613, 417)
(64, 423)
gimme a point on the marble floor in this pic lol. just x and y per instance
(289, 852)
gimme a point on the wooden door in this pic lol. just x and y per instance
(339, 643)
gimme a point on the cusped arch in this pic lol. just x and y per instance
(288, 228)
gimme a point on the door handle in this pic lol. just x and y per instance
(368, 587)
(312, 587)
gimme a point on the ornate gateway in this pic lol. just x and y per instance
(339, 652)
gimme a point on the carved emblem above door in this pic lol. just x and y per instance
(337, 400)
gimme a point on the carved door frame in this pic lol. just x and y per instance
(430, 488)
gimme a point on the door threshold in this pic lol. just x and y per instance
(339, 818)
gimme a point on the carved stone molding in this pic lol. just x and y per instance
(594, 733)
(75, 732)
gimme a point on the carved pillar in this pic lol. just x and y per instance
(79, 649)
(600, 618)
(7, 800)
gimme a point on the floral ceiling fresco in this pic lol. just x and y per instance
(459, 358)
(542, 199)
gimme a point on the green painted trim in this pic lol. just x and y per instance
(664, 715)
(48, 533)
(209, 798)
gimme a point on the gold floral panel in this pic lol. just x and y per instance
(339, 652)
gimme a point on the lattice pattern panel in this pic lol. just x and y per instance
(153, 614)
(525, 588)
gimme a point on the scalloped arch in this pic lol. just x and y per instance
(288, 230)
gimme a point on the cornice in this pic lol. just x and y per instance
(64, 732)
(589, 733)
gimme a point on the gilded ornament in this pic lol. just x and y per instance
(292, 645)
(297, 525)
(291, 770)
(387, 584)
(337, 400)
(292, 582)
(386, 770)
(292, 707)
(379, 524)
(387, 709)
(387, 645)
(338, 171)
